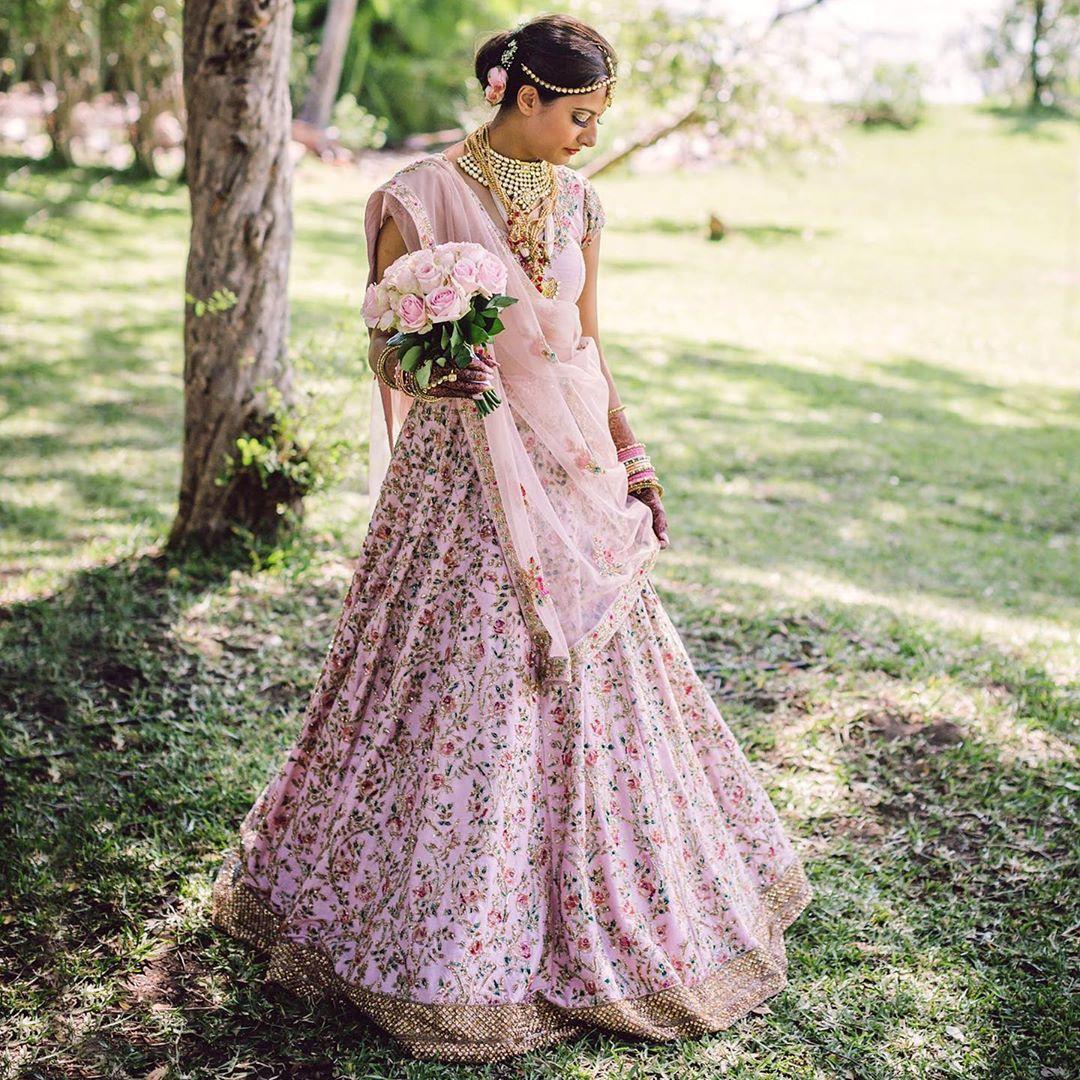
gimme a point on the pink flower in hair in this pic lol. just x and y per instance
(496, 85)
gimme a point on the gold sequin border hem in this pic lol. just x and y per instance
(487, 1033)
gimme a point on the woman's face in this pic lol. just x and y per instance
(564, 126)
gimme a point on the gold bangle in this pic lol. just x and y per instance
(650, 483)
(380, 366)
(612, 412)
(412, 387)
(383, 358)
(405, 381)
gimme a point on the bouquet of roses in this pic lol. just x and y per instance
(441, 301)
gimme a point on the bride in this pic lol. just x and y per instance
(513, 813)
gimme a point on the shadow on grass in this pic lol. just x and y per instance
(124, 743)
(132, 750)
(760, 234)
(950, 860)
(108, 458)
(913, 479)
(1044, 122)
(121, 188)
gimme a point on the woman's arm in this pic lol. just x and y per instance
(618, 424)
(388, 247)
(587, 307)
(470, 381)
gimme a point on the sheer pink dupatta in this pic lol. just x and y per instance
(578, 546)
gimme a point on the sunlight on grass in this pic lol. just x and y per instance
(1059, 641)
(863, 404)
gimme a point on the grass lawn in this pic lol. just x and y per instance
(864, 404)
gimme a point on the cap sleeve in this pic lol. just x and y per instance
(396, 199)
(593, 213)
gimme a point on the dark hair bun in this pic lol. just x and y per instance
(560, 49)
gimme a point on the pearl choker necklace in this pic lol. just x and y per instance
(525, 182)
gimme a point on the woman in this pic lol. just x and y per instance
(513, 812)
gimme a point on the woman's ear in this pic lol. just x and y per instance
(528, 100)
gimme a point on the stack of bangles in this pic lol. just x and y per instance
(639, 469)
(406, 380)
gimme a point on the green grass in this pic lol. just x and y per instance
(864, 404)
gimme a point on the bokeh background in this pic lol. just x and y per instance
(839, 292)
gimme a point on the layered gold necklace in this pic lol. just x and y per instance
(520, 186)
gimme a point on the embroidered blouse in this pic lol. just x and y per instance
(578, 216)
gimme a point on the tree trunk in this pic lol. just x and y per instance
(239, 177)
(1038, 82)
(74, 83)
(326, 75)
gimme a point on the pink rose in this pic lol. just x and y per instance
(444, 257)
(447, 303)
(496, 85)
(428, 273)
(401, 277)
(375, 303)
(465, 273)
(412, 314)
(469, 250)
(491, 274)
(386, 320)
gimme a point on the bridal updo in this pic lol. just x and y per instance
(559, 48)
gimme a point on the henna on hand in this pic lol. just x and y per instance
(623, 435)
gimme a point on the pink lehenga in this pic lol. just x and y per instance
(483, 860)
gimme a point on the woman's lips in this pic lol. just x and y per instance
(571, 149)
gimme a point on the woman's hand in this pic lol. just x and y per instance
(470, 381)
(651, 498)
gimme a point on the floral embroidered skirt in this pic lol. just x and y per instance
(481, 865)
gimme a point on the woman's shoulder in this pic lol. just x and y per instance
(428, 165)
(411, 196)
(584, 201)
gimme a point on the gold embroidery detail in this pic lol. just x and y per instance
(413, 204)
(482, 1033)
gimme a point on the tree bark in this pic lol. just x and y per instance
(1038, 82)
(74, 83)
(326, 76)
(239, 177)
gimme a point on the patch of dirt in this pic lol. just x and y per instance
(892, 724)
(168, 979)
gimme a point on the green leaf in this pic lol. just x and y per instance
(497, 326)
(411, 357)
(423, 374)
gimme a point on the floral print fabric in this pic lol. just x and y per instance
(447, 831)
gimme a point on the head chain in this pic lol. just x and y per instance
(508, 55)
